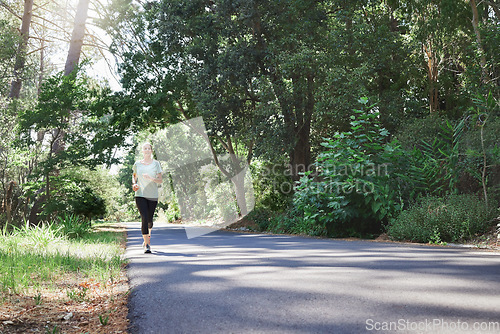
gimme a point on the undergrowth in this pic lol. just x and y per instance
(32, 257)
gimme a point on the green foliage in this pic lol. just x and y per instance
(38, 299)
(481, 145)
(261, 216)
(171, 213)
(73, 129)
(39, 236)
(15, 161)
(247, 67)
(367, 56)
(438, 163)
(415, 131)
(74, 227)
(272, 184)
(32, 256)
(88, 139)
(9, 39)
(351, 193)
(87, 204)
(104, 189)
(290, 224)
(435, 219)
(445, 156)
(320, 205)
(68, 194)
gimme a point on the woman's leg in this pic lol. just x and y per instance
(151, 211)
(142, 205)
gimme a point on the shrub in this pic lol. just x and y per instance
(291, 224)
(68, 194)
(73, 226)
(413, 133)
(273, 185)
(351, 192)
(261, 216)
(88, 204)
(38, 237)
(435, 219)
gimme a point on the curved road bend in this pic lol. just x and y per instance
(227, 282)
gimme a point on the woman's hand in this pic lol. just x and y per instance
(135, 187)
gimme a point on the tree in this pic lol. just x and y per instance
(57, 143)
(475, 25)
(76, 43)
(229, 61)
(442, 30)
(75, 105)
(369, 55)
(15, 89)
(9, 40)
(158, 97)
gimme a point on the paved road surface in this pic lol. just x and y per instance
(227, 282)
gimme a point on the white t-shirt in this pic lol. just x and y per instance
(147, 188)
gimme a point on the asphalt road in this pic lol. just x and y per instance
(227, 282)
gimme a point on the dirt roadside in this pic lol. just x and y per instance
(95, 308)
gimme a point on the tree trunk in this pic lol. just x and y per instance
(239, 187)
(75, 47)
(8, 200)
(475, 25)
(432, 74)
(75, 50)
(15, 89)
(300, 156)
(297, 124)
(298, 132)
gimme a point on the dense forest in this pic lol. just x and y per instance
(352, 118)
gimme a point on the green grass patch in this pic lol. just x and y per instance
(35, 257)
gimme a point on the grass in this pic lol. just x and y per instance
(53, 280)
(32, 258)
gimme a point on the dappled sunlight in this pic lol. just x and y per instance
(311, 284)
(53, 283)
(71, 306)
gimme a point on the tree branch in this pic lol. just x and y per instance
(3, 4)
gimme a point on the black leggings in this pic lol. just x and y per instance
(147, 210)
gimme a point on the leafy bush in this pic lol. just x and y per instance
(291, 224)
(435, 219)
(73, 226)
(170, 212)
(414, 132)
(437, 165)
(40, 236)
(449, 157)
(88, 204)
(68, 194)
(261, 216)
(273, 185)
(351, 192)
